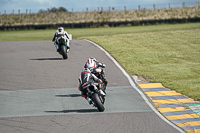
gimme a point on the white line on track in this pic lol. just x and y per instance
(135, 87)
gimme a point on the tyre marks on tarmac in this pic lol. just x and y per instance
(174, 106)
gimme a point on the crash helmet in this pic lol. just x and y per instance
(60, 29)
(93, 59)
(91, 63)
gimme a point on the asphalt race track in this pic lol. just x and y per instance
(38, 93)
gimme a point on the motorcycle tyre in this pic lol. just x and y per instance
(97, 102)
(63, 50)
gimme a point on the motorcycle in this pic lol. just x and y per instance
(97, 96)
(62, 46)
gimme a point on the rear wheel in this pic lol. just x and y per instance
(97, 102)
(64, 51)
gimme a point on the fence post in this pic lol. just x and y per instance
(19, 11)
(169, 6)
(139, 7)
(102, 9)
(183, 4)
(154, 6)
(26, 11)
(29, 11)
(4, 11)
(86, 9)
(124, 8)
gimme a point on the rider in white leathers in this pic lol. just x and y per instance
(59, 32)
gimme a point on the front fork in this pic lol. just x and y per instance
(99, 92)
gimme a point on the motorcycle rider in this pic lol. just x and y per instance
(87, 77)
(94, 65)
(60, 31)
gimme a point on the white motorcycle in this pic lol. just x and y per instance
(62, 46)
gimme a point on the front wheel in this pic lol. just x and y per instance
(64, 51)
(97, 102)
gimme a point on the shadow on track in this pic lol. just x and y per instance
(74, 110)
(47, 59)
(71, 95)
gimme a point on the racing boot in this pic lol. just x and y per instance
(104, 78)
(67, 50)
(89, 100)
(102, 93)
(105, 81)
(57, 48)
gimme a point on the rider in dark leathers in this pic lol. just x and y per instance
(86, 77)
(94, 65)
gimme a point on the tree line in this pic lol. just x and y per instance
(53, 9)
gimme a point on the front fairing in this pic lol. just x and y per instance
(61, 39)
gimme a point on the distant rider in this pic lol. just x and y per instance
(59, 33)
(87, 77)
(94, 65)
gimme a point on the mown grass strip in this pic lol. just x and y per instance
(40, 35)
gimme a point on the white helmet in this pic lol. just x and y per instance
(60, 29)
(91, 63)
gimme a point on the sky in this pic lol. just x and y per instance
(81, 5)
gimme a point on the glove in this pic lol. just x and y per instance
(103, 65)
(100, 81)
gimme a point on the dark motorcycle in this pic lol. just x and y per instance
(95, 94)
(62, 46)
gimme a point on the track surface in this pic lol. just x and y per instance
(38, 93)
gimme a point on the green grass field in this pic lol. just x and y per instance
(35, 35)
(169, 54)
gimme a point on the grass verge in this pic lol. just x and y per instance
(41, 35)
